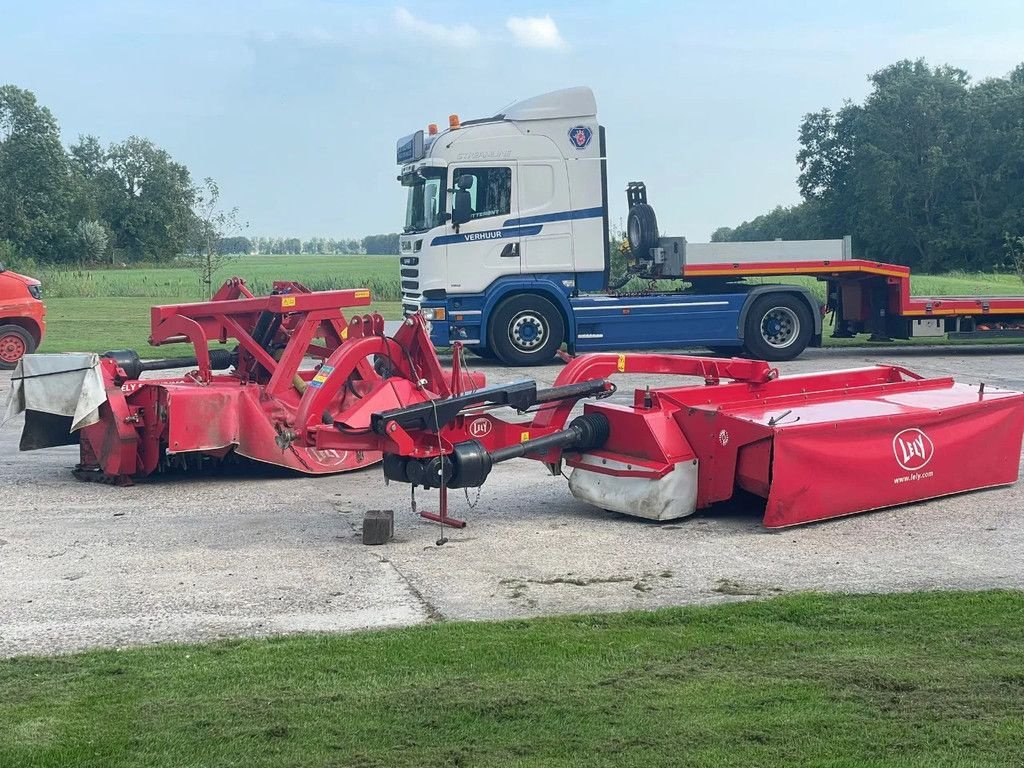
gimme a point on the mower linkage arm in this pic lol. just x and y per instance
(432, 416)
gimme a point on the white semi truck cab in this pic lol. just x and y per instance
(506, 249)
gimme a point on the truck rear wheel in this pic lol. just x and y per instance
(778, 327)
(525, 330)
(15, 343)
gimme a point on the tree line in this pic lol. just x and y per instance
(385, 245)
(124, 202)
(927, 172)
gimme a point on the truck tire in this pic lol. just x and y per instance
(486, 354)
(642, 230)
(15, 342)
(525, 330)
(778, 327)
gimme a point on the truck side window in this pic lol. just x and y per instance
(491, 191)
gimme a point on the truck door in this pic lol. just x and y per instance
(485, 247)
(545, 217)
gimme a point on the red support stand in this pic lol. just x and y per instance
(441, 516)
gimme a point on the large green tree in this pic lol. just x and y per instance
(150, 208)
(35, 190)
(60, 205)
(928, 171)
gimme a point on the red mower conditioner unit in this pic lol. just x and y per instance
(813, 446)
(131, 427)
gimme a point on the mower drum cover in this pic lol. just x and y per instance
(813, 446)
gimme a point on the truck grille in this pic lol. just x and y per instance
(411, 297)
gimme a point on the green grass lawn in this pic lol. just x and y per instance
(379, 273)
(927, 679)
(100, 309)
(99, 324)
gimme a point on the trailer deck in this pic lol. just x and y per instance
(875, 297)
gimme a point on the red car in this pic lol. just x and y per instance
(22, 316)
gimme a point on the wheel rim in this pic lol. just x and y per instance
(780, 327)
(634, 232)
(527, 331)
(12, 348)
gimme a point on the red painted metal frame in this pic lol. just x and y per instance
(268, 407)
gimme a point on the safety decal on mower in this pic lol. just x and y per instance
(321, 376)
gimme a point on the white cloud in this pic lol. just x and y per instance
(535, 32)
(460, 35)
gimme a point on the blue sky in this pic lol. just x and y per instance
(294, 107)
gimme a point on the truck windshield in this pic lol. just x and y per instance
(425, 207)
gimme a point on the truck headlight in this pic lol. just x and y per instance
(432, 313)
(36, 291)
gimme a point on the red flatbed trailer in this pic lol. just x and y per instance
(874, 297)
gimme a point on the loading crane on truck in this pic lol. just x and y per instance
(506, 250)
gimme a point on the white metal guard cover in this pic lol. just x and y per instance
(666, 498)
(68, 385)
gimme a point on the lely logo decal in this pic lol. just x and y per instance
(480, 427)
(913, 449)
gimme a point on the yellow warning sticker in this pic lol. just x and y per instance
(344, 332)
(362, 294)
(524, 436)
(287, 301)
(621, 364)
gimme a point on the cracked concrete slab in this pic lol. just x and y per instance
(188, 559)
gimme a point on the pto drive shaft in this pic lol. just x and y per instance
(133, 366)
(470, 463)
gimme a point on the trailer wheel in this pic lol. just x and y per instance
(525, 330)
(15, 343)
(642, 230)
(778, 327)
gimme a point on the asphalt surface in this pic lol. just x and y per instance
(179, 559)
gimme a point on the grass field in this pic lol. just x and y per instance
(99, 324)
(96, 310)
(928, 679)
(379, 273)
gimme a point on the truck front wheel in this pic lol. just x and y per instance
(525, 330)
(15, 343)
(778, 327)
